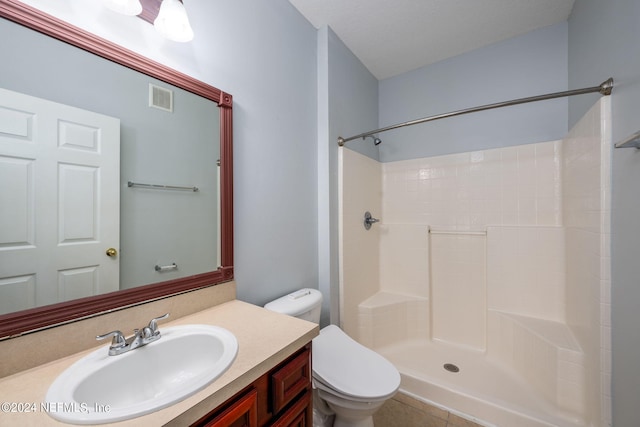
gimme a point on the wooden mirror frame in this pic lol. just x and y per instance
(21, 322)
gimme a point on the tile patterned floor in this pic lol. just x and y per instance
(404, 411)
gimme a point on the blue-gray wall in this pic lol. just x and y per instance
(347, 102)
(604, 41)
(264, 53)
(531, 64)
(354, 97)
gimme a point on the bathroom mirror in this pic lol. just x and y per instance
(219, 268)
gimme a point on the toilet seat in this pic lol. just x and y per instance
(348, 368)
(328, 393)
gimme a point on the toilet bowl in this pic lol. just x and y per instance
(350, 381)
(353, 380)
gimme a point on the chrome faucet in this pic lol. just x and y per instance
(140, 337)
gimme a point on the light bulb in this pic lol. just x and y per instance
(172, 21)
(125, 7)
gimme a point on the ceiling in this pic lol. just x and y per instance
(391, 37)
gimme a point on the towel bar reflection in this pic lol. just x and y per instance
(161, 187)
(161, 268)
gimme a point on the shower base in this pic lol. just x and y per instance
(483, 390)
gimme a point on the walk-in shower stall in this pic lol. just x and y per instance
(487, 280)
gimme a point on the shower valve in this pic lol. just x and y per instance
(369, 220)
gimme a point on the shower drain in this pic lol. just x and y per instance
(451, 367)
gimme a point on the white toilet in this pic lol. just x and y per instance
(350, 380)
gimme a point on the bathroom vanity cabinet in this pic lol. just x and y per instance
(269, 383)
(279, 398)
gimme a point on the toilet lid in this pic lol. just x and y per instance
(350, 368)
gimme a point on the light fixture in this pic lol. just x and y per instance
(172, 21)
(125, 7)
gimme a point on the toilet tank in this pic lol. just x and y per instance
(304, 304)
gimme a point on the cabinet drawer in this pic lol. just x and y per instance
(299, 415)
(241, 413)
(290, 380)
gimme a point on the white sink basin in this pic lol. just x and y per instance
(101, 389)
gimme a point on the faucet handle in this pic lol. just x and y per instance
(117, 341)
(153, 324)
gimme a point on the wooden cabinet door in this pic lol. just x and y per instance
(280, 398)
(242, 413)
(291, 380)
(299, 415)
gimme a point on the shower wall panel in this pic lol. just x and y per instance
(587, 219)
(404, 259)
(458, 291)
(359, 183)
(525, 271)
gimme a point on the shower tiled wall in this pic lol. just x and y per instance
(513, 186)
(514, 194)
(467, 191)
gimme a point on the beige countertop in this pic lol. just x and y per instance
(264, 339)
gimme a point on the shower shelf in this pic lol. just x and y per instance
(460, 232)
(632, 141)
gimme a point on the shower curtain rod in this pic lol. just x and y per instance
(604, 89)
